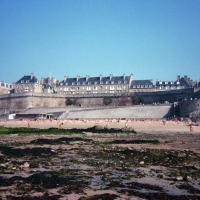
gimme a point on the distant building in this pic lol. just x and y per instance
(5, 88)
(180, 83)
(142, 86)
(28, 83)
(48, 85)
(94, 85)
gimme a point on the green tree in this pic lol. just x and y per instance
(69, 101)
(141, 99)
(134, 99)
(107, 100)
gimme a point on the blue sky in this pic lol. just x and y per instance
(152, 39)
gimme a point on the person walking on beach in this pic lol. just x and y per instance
(191, 128)
(60, 126)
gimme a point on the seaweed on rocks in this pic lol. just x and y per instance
(14, 152)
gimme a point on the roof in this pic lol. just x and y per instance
(141, 82)
(28, 78)
(96, 80)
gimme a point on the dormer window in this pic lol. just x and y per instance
(61, 84)
(119, 82)
(95, 82)
(66, 83)
(89, 83)
(73, 83)
(106, 82)
(125, 81)
(22, 81)
(27, 81)
(112, 82)
(166, 82)
(78, 83)
(101, 82)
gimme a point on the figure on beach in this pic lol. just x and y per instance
(60, 126)
(191, 128)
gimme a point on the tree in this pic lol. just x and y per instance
(124, 100)
(134, 99)
(141, 99)
(107, 100)
(69, 101)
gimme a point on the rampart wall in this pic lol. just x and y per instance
(20, 102)
(189, 106)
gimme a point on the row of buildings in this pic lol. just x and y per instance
(93, 85)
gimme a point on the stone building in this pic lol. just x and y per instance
(142, 86)
(181, 83)
(95, 85)
(5, 88)
(48, 85)
(28, 83)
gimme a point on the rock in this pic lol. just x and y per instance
(26, 165)
(142, 163)
(2, 166)
(188, 178)
(179, 178)
(182, 155)
(197, 167)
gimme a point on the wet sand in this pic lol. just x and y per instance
(138, 126)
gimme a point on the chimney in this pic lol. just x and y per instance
(77, 78)
(111, 77)
(32, 75)
(65, 78)
(124, 76)
(101, 76)
(185, 77)
(131, 78)
(87, 78)
(178, 77)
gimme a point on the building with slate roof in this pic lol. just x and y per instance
(28, 83)
(180, 83)
(94, 85)
(5, 88)
(142, 86)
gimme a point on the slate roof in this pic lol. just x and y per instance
(141, 82)
(96, 80)
(28, 78)
(183, 82)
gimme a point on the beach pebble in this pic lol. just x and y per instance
(182, 155)
(179, 178)
(142, 163)
(2, 165)
(26, 165)
(188, 178)
(196, 166)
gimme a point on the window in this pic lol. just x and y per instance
(112, 82)
(112, 87)
(101, 82)
(95, 88)
(119, 87)
(72, 89)
(22, 81)
(88, 88)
